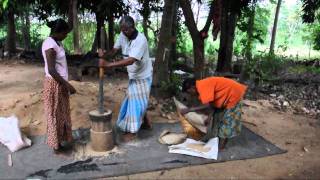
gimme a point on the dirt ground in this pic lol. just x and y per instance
(21, 90)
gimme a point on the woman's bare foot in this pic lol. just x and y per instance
(128, 137)
(62, 153)
(66, 146)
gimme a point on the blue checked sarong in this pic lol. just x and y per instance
(134, 105)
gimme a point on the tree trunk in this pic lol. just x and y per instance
(76, 36)
(197, 36)
(111, 32)
(145, 27)
(216, 18)
(70, 14)
(274, 29)
(145, 14)
(97, 40)
(163, 50)
(198, 55)
(173, 53)
(11, 38)
(228, 25)
(26, 30)
(155, 34)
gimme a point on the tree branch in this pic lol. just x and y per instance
(209, 19)
(189, 19)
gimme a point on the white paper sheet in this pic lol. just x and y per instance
(192, 147)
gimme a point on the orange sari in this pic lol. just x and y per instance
(222, 92)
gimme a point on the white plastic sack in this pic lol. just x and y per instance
(192, 147)
(195, 119)
(10, 134)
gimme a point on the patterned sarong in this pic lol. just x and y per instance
(224, 123)
(230, 125)
(134, 105)
(57, 113)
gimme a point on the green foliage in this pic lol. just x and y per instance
(211, 48)
(37, 33)
(293, 38)
(36, 36)
(111, 8)
(312, 38)
(264, 67)
(3, 33)
(310, 10)
(87, 33)
(68, 43)
(174, 86)
(4, 4)
(289, 31)
(260, 28)
(184, 42)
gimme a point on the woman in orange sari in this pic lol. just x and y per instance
(224, 96)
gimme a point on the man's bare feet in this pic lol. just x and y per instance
(127, 137)
(146, 124)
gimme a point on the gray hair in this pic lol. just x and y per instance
(128, 21)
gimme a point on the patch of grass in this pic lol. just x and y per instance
(300, 69)
(293, 53)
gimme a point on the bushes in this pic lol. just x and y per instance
(264, 67)
(174, 86)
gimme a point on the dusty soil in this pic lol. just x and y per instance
(21, 91)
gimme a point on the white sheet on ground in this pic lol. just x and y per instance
(192, 147)
(10, 134)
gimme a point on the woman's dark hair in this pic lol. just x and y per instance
(58, 26)
(188, 83)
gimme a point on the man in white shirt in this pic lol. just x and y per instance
(135, 51)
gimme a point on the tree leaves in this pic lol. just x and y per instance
(310, 10)
(4, 4)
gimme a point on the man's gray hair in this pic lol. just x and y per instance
(127, 20)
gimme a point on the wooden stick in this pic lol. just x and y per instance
(101, 75)
(101, 99)
(253, 124)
